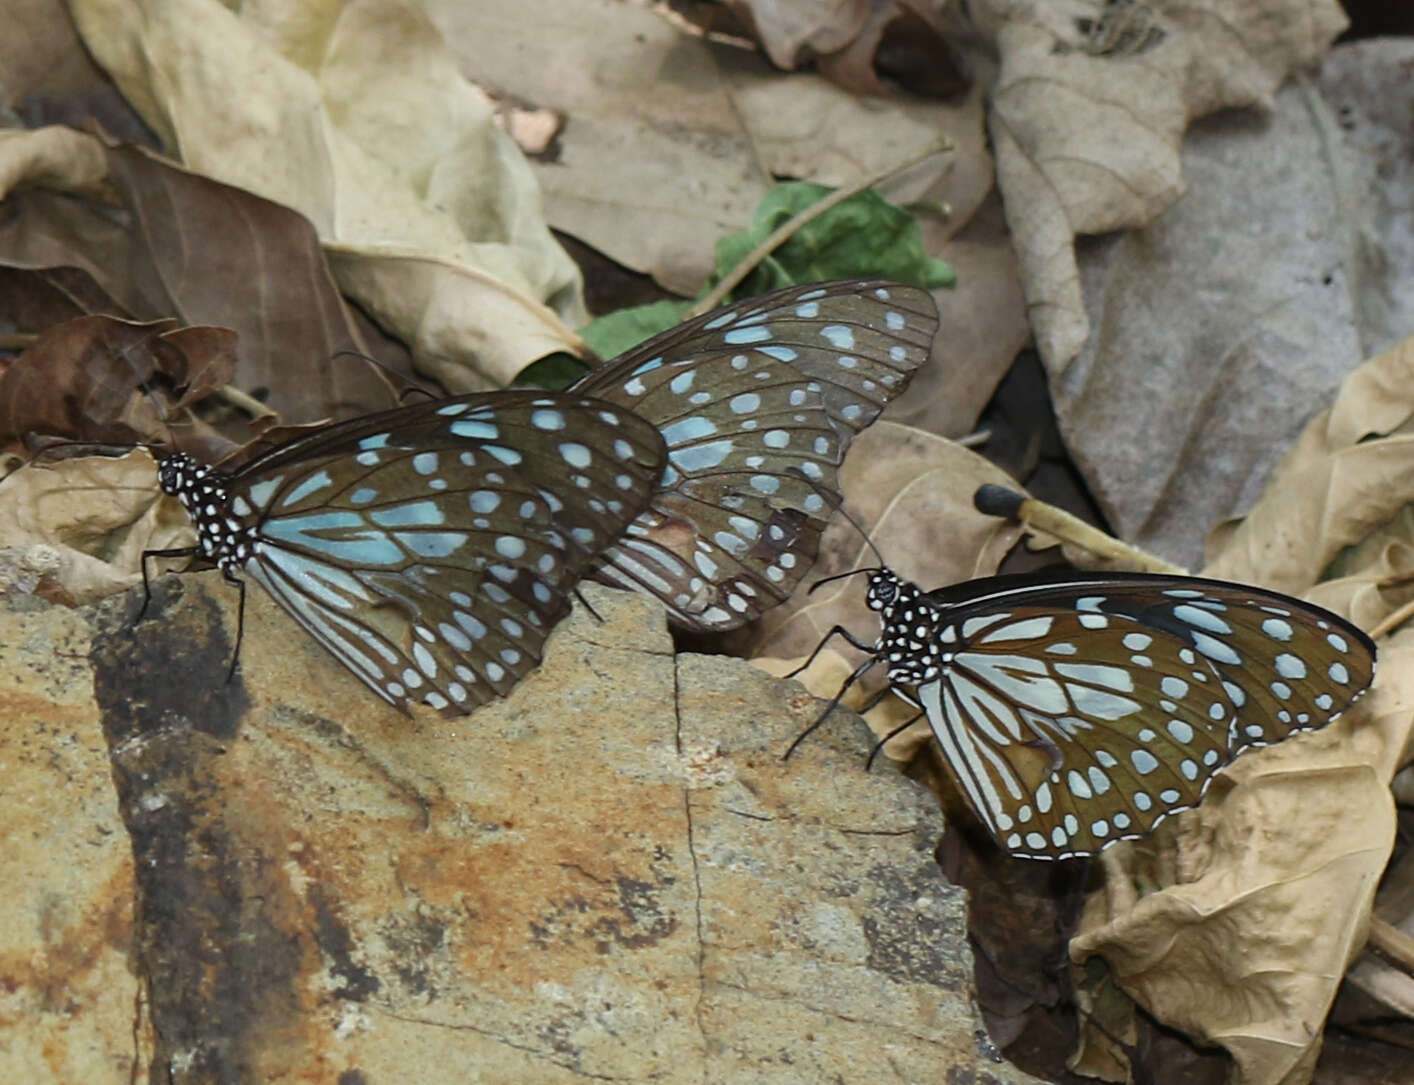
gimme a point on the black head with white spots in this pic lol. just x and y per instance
(907, 638)
(202, 490)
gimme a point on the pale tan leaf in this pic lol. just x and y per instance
(1269, 884)
(74, 530)
(670, 142)
(1334, 486)
(327, 116)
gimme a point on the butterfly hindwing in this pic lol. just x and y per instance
(758, 403)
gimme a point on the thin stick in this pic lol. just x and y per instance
(1392, 621)
(244, 402)
(778, 237)
(1392, 944)
(999, 501)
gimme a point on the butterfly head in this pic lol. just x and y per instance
(202, 491)
(888, 592)
(176, 474)
(907, 641)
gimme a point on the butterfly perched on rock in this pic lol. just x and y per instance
(431, 548)
(1074, 710)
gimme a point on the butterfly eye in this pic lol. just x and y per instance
(882, 592)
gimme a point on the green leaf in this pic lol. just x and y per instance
(861, 237)
(612, 334)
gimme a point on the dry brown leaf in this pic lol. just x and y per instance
(324, 115)
(74, 531)
(1089, 112)
(205, 253)
(81, 379)
(1269, 884)
(669, 141)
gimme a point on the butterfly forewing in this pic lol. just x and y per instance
(1077, 711)
(758, 403)
(721, 539)
(432, 548)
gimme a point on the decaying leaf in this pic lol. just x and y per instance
(205, 253)
(1217, 342)
(320, 115)
(81, 379)
(1089, 111)
(74, 530)
(1269, 884)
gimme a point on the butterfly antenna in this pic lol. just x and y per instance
(408, 386)
(836, 502)
(95, 448)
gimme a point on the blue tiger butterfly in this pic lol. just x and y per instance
(431, 548)
(1076, 709)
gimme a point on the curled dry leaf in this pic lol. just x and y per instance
(1088, 116)
(205, 253)
(1348, 473)
(314, 114)
(1270, 882)
(81, 379)
(652, 179)
(74, 530)
(792, 33)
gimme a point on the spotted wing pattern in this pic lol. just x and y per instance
(758, 403)
(1077, 711)
(431, 548)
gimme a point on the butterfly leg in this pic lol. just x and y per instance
(900, 729)
(838, 630)
(587, 605)
(834, 701)
(232, 578)
(177, 552)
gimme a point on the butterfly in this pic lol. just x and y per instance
(1075, 710)
(433, 547)
(758, 403)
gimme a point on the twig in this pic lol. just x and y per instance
(999, 501)
(244, 402)
(1392, 621)
(1392, 944)
(779, 236)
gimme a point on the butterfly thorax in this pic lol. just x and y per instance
(908, 635)
(205, 495)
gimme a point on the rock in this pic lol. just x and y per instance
(610, 874)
